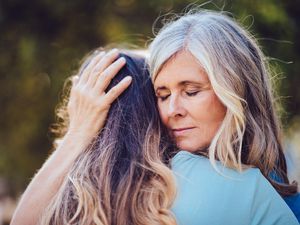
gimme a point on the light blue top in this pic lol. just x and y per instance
(207, 197)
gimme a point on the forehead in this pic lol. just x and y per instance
(181, 67)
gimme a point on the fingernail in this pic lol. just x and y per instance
(122, 59)
(128, 78)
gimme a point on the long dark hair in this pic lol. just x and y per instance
(122, 178)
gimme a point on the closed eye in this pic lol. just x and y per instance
(163, 98)
(193, 93)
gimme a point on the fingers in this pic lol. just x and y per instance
(108, 74)
(75, 80)
(90, 65)
(98, 74)
(100, 65)
(117, 90)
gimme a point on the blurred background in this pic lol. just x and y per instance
(43, 41)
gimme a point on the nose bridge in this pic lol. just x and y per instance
(175, 106)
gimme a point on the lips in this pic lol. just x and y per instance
(181, 131)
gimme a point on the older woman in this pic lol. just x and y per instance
(214, 95)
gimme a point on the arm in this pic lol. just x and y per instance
(47, 181)
(87, 108)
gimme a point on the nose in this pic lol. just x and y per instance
(176, 107)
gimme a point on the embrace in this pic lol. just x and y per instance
(187, 136)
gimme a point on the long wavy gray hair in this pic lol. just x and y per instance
(240, 76)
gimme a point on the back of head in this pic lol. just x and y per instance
(121, 178)
(239, 75)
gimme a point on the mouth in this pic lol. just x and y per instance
(181, 131)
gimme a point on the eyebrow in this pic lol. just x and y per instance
(182, 83)
(160, 88)
(187, 82)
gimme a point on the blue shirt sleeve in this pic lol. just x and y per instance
(292, 201)
(206, 196)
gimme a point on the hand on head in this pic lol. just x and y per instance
(89, 104)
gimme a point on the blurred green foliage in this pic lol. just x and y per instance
(42, 42)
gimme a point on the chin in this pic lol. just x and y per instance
(188, 146)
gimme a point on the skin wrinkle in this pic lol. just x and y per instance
(180, 108)
(239, 75)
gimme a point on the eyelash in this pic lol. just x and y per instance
(190, 94)
(163, 98)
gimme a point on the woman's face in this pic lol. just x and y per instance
(187, 103)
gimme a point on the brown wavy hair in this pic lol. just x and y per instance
(122, 177)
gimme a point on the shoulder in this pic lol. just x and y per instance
(197, 175)
(233, 196)
(189, 165)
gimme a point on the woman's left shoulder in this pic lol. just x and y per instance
(203, 188)
(191, 165)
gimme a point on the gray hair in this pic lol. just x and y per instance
(239, 75)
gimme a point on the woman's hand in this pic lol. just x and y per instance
(89, 104)
(88, 107)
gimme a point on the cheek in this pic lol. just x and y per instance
(209, 109)
(217, 108)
